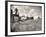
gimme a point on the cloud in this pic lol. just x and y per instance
(29, 10)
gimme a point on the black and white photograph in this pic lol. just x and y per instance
(25, 18)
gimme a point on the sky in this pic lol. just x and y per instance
(28, 10)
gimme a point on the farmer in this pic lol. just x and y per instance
(16, 18)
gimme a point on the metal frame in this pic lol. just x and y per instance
(6, 18)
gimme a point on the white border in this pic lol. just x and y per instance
(31, 32)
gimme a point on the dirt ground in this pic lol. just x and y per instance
(28, 25)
